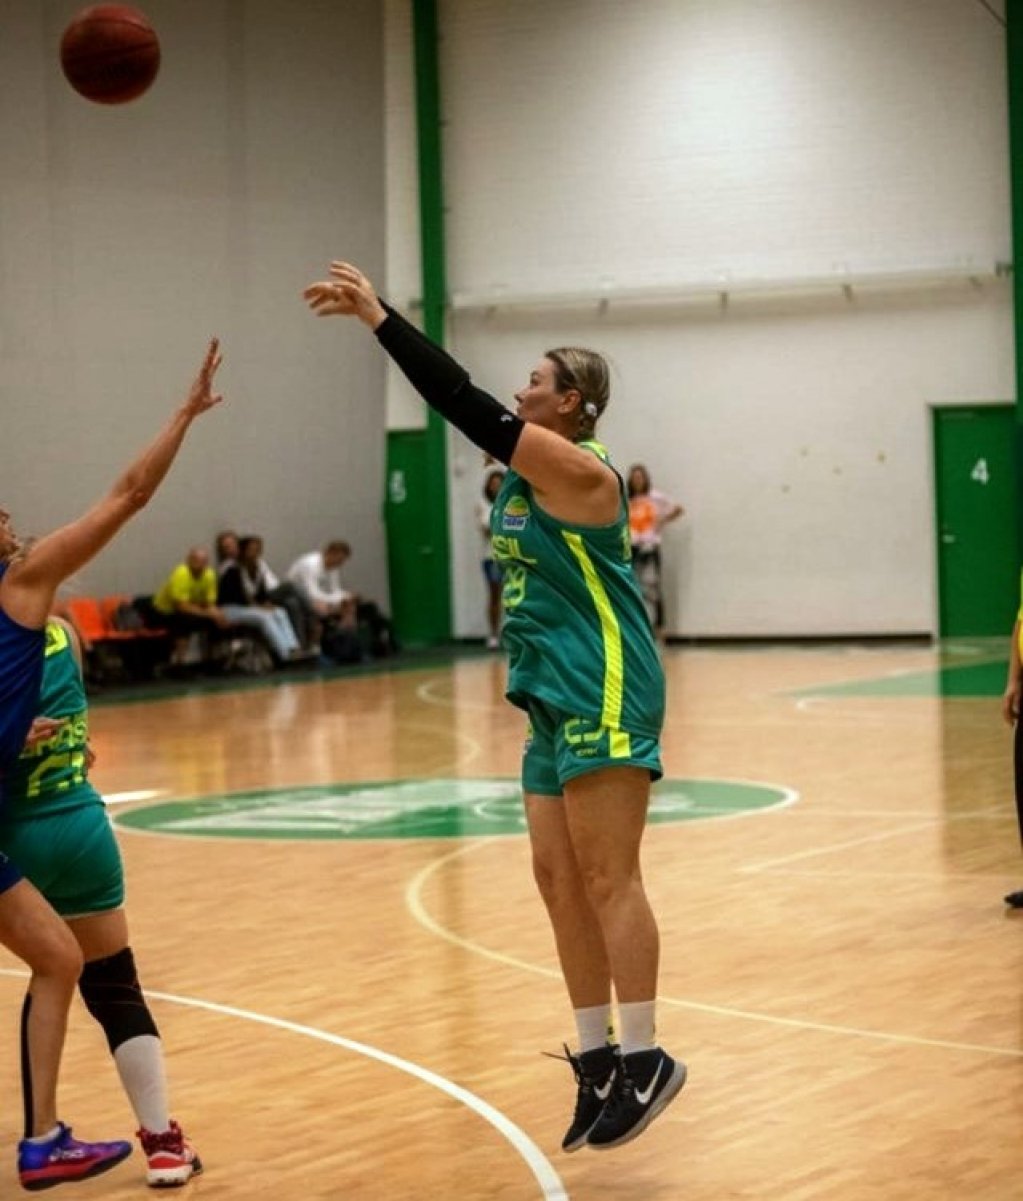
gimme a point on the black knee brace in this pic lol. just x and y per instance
(112, 994)
(26, 1066)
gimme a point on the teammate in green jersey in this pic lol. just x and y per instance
(54, 825)
(584, 666)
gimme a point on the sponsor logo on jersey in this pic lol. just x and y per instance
(516, 514)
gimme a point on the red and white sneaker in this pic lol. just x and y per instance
(171, 1159)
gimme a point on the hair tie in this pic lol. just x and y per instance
(590, 409)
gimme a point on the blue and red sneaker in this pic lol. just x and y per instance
(63, 1158)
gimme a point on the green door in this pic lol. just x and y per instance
(975, 491)
(418, 604)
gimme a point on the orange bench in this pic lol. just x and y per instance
(96, 620)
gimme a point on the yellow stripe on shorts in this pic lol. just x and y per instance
(621, 744)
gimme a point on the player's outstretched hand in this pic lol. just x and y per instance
(201, 395)
(348, 293)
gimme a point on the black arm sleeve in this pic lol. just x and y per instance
(445, 386)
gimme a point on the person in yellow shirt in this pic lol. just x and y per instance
(186, 602)
(1011, 713)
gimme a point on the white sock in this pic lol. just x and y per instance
(140, 1065)
(637, 1019)
(44, 1138)
(594, 1026)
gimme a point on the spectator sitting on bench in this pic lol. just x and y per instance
(225, 548)
(245, 600)
(353, 628)
(186, 603)
(259, 576)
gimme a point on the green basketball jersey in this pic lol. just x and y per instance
(575, 628)
(50, 777)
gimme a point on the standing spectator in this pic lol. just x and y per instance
(1011, 713)
(649, 512)
(491, 568)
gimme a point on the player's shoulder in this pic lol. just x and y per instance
(596, 448)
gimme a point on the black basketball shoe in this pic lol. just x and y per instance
(594, 1074)
(644, 1085)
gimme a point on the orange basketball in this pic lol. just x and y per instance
(110, 53)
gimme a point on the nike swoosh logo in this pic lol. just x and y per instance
(644, 1097)
(605, 1092)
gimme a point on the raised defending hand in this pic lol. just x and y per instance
(347, 294)
(201, 395)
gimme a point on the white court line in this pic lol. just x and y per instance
(843, 846)
(426, 694)
(475, 747)
(550, 1183)
(828, 707)
(832, 873)
(140, 794)
(415, 905)
(880, 836)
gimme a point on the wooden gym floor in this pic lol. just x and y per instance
(355, 984)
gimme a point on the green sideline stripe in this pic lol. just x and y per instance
(421, 659)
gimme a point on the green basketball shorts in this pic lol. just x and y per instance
(560, 747)
(71, 857)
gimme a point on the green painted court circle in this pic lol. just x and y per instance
(427, 808)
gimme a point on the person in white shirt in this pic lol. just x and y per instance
(331, 608)
(317, 576)
(353, 628)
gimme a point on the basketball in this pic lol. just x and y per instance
(110, 53)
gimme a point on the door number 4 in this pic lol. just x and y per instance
(980, 472)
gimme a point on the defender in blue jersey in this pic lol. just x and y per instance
(584, 667)
(29, 926)
(55, 826)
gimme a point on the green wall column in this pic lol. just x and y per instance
(435, 288)
(416, 500)
(1014, 54)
